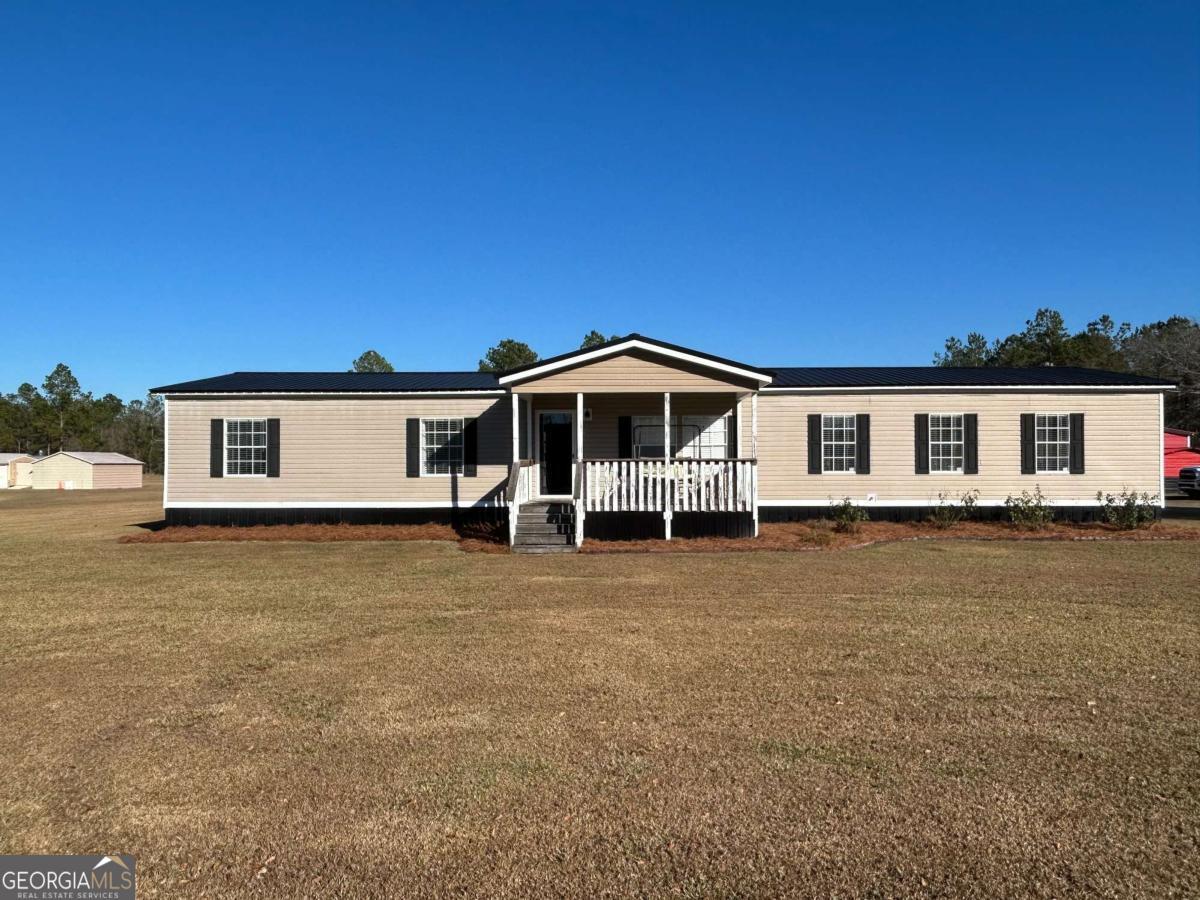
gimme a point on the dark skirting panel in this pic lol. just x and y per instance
(321, 516)
(640, 526)
(712, 524)
(921, 513)
(622, 526)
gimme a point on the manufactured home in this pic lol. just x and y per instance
(641, 438)
(84, 470)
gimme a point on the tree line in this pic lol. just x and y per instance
(1168, 349)
(60, 415)
(507, 354)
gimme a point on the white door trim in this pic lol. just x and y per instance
(537, 453)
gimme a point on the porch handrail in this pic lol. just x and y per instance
(727, 484)
(578, 506)
(516, 492)
(677, 459)
(514, 477)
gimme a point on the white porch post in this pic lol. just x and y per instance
(516, 426)
(737, 422)
(754, 455)
(579, 427)
(579, 474)
(669, 499)
(754, 426)
(529, 426)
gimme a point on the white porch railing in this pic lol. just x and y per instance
(681, 485)
(518, 490)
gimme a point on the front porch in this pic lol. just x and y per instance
(621, 466)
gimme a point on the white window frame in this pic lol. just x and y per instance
(1063, 429)
(961, 443)
(702, 428)
(652, 422)
(852, 418)
(709, 437)
(225, 448)
(462, 447)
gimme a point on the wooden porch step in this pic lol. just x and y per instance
(545, 527)
(540, 527)
(545, 537)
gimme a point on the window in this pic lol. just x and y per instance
(945, 443)
(692, 437)
(702, 437)
(837, 443)
(246, 447)
(442, 446)
(648, 437)
(1052, 442)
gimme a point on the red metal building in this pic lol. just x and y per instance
(1179, 450)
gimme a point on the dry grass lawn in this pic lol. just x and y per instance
(392, 719)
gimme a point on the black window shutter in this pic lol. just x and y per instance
(731, 435)
(272, 448)
(470, 448)
(216, 448)
(1028, 456)
(862, 444)
(625, 437)
(971, 444)
(412, 447)
(1075, 460)
(921, 443)
(814, 444)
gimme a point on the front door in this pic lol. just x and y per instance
(556, 453)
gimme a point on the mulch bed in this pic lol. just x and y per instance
(819, 535)
(807, 536)
(479, 538)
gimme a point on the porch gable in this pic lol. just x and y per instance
(633, 372)
(624, 365)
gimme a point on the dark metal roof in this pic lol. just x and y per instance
(783, 377)
(337, 382)
(634, 336)
(939, 376)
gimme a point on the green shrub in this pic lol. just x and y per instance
(1029, 510)
(846, 516)
(1129, 509)
(947, 514)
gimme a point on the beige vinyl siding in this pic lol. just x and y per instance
(631, 373)
(116, 475)
(1121, 446)
(59, 469)
(336, 449)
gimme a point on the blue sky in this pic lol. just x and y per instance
(189, 190)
